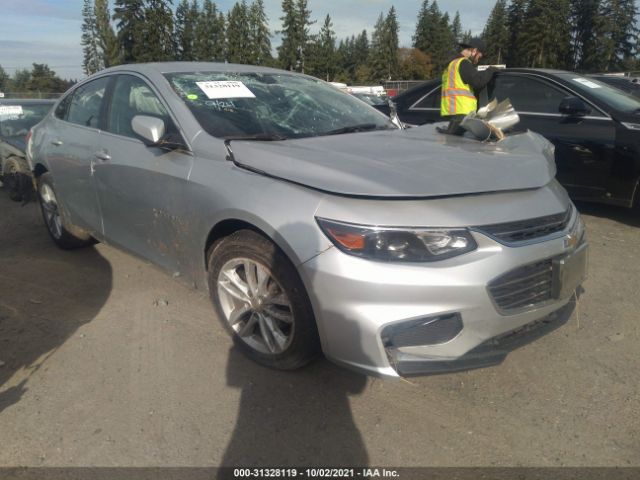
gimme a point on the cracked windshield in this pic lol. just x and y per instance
(272, 106)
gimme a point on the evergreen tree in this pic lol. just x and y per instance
(107, 41)
(546, 37)
(376, 62)
(130, 18)
(496, 34)
(260, 36)
(423, 36)
(434, 35)
(185, 29)
(44, 80)
(91, 62)
(516, 13)
(295, 34)
(287, 51)
(210, 34)
(4, 80)
(390, 42)
(616, 33)
(238, 34)
(324, 61)
(20, 81)
(584, 22)
(456, 29)
(159, 44)
(361, 48)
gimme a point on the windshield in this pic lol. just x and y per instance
(17, 120)
(272, 105)
(619, 100)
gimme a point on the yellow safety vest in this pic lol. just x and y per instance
(457, 96)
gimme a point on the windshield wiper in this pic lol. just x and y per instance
(363, 127)
(262, 137)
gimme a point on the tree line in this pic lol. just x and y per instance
(38, 82)
(578, 35)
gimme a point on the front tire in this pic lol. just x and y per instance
(260, 299)
(58, 228)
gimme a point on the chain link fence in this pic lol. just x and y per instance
(398, 86)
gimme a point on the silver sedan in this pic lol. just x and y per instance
(316, 225)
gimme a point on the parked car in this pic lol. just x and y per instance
(626, 84)
(17, 116)
(595, 128)
(371, 98)
(315, 224)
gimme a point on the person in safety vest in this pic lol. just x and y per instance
(459, 81)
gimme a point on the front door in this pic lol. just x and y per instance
(584, 146)
(141, 189)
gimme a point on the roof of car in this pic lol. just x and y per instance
(26, 101)
(177, 67)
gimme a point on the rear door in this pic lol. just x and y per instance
(73, 137)
(142, 190)
(585, 146)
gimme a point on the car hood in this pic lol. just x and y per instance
(417, 162)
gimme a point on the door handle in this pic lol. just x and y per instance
(57, 143)
(104, 156)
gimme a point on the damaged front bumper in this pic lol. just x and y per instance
(402, 320)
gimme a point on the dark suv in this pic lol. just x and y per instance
(594, 127)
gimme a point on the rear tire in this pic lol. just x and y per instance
(15, 176)
(260, 299)
(57, 226)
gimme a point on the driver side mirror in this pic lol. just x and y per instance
(151, 129)
(574, 106)
(154, 133)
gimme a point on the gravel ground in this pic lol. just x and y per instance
(106, 361)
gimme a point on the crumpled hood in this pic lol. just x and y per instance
(418, 162)
(16, 142)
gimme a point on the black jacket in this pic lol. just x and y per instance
(471, 76)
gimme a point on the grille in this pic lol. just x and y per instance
(523, 287)
(524, 230)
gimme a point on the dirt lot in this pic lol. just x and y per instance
(107, 361)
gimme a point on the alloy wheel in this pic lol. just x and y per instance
(51, 211)
(256, 306)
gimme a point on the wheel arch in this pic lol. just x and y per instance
(39, 169)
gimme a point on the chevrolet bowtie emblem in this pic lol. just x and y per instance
(570, 241)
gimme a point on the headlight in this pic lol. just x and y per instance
(397, 244)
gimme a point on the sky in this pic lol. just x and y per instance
(48, 31)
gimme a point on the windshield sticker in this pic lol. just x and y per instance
(11, 111)
(587, 83)
(225, 89)
(221, 105)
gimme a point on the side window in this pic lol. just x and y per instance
(527, 94)
(432, 100)
(131, 97)
(86, 103)
(63, 107)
